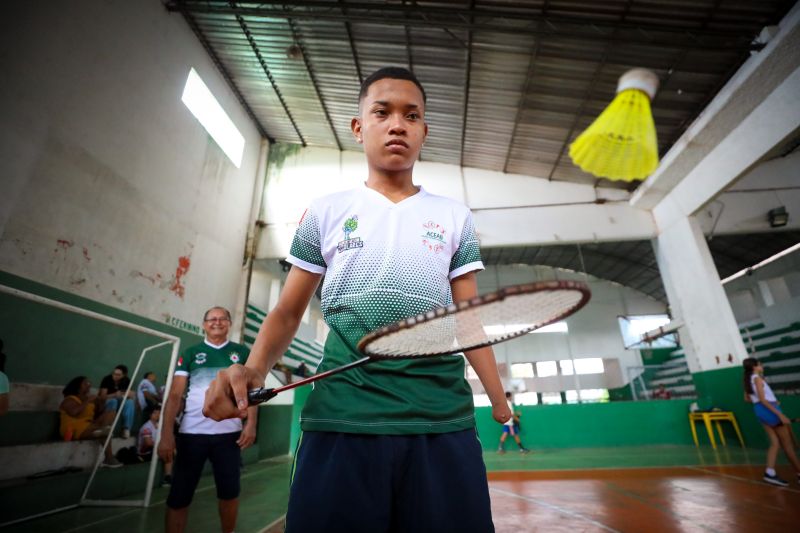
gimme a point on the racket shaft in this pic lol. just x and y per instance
(256, 396)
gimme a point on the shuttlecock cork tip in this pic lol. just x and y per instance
(639, 78)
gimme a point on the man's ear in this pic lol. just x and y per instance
(355, 126)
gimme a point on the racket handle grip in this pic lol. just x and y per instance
(257, 396)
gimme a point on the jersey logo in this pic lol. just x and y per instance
(433, 236)
(350, 225)
(200, 358)
(235, 357)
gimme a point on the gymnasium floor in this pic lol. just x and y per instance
(624, 489)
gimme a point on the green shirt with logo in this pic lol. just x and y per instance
(200, 363)
(383, 262)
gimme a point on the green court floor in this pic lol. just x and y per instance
(265, 487)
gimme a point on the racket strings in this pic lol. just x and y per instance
(477, 326)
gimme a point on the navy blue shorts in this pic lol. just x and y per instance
(191, 453)
(510, 429)
(389, 483)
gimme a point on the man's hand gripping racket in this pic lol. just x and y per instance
(481, 321)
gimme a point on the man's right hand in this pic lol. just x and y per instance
(226, 396)
(166, 447)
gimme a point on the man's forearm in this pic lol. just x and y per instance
(170, 413)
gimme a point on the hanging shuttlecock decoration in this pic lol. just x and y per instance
(621, 144)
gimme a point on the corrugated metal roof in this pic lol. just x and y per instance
(510, 84)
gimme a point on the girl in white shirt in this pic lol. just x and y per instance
(776, 424)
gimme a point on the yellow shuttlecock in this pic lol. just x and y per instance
(621, 144)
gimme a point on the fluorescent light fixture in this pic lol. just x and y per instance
(499, 329)
(765, 262)
(217, 123)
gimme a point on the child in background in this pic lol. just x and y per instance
(510, 427)
(148, 435)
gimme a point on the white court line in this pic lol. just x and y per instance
(554, 508)
(273, 524)
(740, 478)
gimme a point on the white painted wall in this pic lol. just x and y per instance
(509, 209)
(109, 182)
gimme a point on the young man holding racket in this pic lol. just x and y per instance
(391, 446)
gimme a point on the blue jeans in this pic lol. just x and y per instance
(127, 410)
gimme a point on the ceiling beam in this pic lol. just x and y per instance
(592, 83)
(466, 92)
(501, 18)
(525, 88)
(265, 68)
(313, 78)
(349, 29)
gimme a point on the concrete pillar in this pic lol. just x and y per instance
(710, 335)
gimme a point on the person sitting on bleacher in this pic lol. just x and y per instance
(145, 444)
(661, 393)
(83, 417)
(147, 394)
(112, 390)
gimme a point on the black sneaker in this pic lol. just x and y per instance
(775, 480)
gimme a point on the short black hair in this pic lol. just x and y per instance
(73, 387)
(393, 73)
(148, 373)
(227, 313)
(123, 368)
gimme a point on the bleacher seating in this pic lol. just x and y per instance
(299, 351)
(779, 352)
(29, 439)
(778, 349)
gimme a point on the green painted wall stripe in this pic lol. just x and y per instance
(51, 346)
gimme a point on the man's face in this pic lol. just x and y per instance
(151, 377)
(216, 323)
(392, 124)
(117, 374)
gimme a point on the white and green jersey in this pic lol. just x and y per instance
(200, 363)
(383, 262)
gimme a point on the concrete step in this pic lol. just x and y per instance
(26, 460)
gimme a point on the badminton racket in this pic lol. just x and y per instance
(481, 321)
